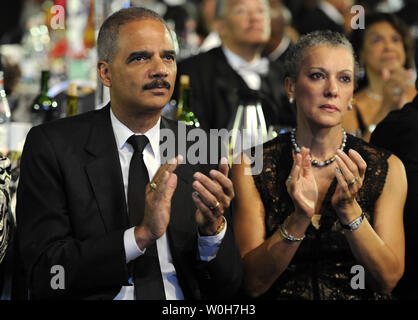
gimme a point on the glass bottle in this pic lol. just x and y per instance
(71, 100)
(44, 108)
(184, 110)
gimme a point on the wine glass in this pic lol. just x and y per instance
(249, 127)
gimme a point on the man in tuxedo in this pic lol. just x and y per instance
(236, 72)
(397, 133)
(100, 216)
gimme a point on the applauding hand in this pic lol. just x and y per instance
(213, 194)
(350, 172)
(301, 185)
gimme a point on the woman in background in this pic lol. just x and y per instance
(384, 48)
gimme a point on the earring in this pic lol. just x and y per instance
(350, 107)
(291, 100)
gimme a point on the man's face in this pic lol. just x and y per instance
(246, 22)
(143, 71)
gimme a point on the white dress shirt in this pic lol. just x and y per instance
(251, 71)
(331, 12)
(208, 246)
(280, 49)
(211, 41)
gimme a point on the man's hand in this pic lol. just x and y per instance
(158, 196)
(211, 197)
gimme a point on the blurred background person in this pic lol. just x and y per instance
(207, 29)
(385, 52)
(398, 133)
(325, 200)
(326, 15)
(223, 77)
(283, 35)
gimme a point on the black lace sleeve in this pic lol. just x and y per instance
(375, 177)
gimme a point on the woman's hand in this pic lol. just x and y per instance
(396, 85)
(350, 172)
(301, 185)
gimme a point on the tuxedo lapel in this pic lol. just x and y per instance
(104, 171)
(271, 84)
(229, 84)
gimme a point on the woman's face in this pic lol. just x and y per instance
(323, 89)
(382, 48)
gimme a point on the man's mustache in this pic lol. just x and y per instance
(157, 84)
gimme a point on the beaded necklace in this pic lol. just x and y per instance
(314, 162)
(373, 95)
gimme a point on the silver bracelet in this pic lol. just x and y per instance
(286, 236)
(355, 224)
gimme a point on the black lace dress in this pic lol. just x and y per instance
(321, 266)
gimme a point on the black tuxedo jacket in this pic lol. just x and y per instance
(217, 89)
(316, 19)
(72, 212)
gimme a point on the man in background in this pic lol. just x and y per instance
(228, 75)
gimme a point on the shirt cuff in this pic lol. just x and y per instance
(132, 250)
(209, 245)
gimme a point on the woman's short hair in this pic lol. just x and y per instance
(107, 40)
(295, 54)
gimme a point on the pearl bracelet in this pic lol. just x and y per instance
(286, 236)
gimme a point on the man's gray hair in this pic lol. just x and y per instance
(107, 40)
(221, 4)
(295, 54)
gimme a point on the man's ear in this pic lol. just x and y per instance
(289, 85)
(218, 26)
(104, 73)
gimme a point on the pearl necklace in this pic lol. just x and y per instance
(317, 163)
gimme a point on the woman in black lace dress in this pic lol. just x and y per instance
(323, 220)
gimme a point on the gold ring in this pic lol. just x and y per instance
(215, 206)
(353, 181)
(153, 185)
